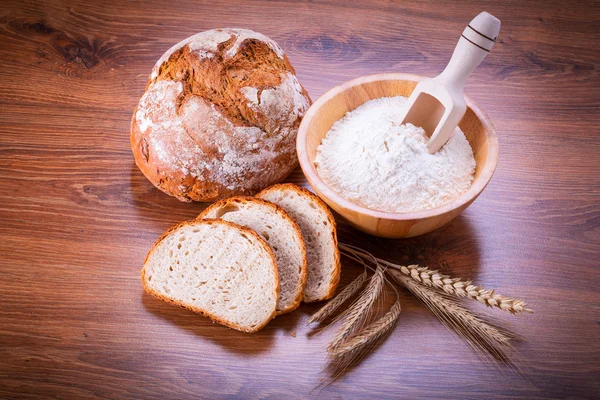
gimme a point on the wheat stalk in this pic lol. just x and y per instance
(358, 313)
(339, 299)
(452, 286)
(482, 337)
(341, 362)
(353, 341)
(371, 335)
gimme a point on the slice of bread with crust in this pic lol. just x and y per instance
(280, 232)
(218, 269)
(319, 231)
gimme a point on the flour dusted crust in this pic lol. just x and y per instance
(219, 116)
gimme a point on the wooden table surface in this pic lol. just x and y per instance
(77, 217)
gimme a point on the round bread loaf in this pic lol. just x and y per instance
(219, 116)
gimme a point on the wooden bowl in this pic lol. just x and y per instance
(346, 97)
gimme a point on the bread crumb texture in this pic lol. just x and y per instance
(280, 232)
(216, 269)
(219, 116)
(318, 229)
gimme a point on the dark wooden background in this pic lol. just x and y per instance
(77, 217)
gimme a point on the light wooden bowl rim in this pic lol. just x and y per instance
(311, 174)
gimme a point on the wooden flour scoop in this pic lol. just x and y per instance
(438, 104)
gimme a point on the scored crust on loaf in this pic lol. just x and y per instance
(218, 269)
(219, 116)
(280, 232)
(319, 231)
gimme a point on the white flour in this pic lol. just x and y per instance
(369, 159)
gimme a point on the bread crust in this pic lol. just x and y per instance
(281, 212)
(205, 313)
(219, 117)
(337, 268)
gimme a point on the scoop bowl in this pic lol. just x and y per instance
(332, 106)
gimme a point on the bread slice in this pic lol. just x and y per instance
(215, 268)
(280, 232)
(318, 229)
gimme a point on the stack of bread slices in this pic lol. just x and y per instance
(244, 260)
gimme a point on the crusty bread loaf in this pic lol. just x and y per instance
(318, 229)
(219, 116)
(280, 232)
(215, 268)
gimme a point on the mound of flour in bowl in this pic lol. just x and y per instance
(367, 157)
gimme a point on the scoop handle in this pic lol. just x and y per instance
(475, 43)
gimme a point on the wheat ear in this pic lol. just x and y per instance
(339, 299)
(371, 335)
(482, 337)
(460, 288)
(358, 313)
(452, 286)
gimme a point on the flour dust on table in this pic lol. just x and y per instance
(371, 159)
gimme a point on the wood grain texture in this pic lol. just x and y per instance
(77, 217)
